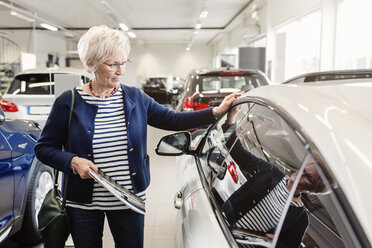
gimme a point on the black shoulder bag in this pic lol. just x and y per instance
(54, 223)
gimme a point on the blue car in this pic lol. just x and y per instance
(24, 181)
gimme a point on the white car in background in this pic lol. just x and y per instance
(289, 126)
(32, 92)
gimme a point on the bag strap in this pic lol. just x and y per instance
(69, 149)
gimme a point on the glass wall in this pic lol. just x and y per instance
(301, 45)
(353, 38)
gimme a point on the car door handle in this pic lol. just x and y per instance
(178, 201)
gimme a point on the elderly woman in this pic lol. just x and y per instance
(108, 132)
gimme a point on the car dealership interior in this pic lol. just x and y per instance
(303, 68)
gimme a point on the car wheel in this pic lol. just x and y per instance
(42, 181)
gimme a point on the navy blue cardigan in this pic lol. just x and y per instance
(140, 110)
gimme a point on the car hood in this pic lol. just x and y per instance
(12, 126)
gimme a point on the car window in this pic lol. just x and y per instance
(227, 83)
(156, 82)
(277, 140)
(248, 183)
(32, 84)
(214, 149)
(259, 149)
(35, 84)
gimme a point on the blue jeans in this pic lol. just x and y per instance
(87, 227)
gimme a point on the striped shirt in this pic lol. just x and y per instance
(266, 214)
(110, 150)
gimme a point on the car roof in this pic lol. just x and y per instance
(56, 70)
(337, 116)
(205, 71)
(355, 73)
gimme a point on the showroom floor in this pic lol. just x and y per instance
(160, 212)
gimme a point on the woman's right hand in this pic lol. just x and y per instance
(81, 166)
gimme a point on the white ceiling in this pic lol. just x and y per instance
(153, 21)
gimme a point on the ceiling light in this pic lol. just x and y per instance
(131, 34)
(188, 48)
(254, 15)
(203, 14)
(123, 27)
(19, 15)
(198, 26)
(48, 26)
(69, 34)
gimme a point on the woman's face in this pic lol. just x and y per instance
(308, 179)
(110, 72)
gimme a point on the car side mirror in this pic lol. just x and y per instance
(174, 144)
(2, 116)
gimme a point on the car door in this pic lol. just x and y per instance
(235, 159)
(6, 183)
(273, 139)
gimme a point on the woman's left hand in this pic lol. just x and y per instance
(227, 102)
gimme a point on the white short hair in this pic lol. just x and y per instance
(101, 43)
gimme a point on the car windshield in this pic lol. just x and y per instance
(40, 84)
(228, 83)
(156, 82)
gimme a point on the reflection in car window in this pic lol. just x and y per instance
(257, 205)
(260, 148)
(274, 146)
(277, 140)
(214, 149)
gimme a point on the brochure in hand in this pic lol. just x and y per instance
(123, 194)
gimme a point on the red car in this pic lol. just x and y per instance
(207, 87)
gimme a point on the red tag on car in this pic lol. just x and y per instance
(232, 169)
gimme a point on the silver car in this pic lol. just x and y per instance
(319, 134)
(32, 92)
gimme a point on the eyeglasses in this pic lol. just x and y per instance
(116, 66)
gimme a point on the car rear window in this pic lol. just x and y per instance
(34, 84)
(228, 83)
(41, 84)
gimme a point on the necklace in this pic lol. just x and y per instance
(94, 93)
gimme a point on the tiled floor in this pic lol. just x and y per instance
(160, 212)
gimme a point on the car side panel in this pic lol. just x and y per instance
(196, 224)
(199, 225)
(6, 184)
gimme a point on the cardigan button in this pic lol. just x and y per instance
(133, 174)
(131, 149)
